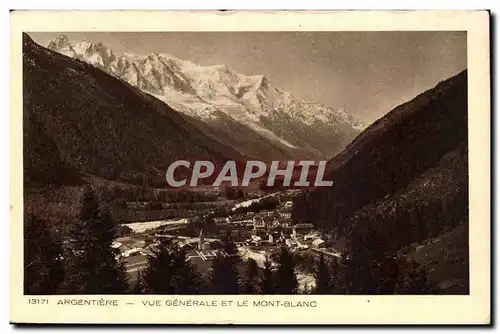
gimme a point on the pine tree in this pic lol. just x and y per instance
(229, 246)
(322, 276)
(139, 286)
(92, 264)
(43, 269)
(168, 272)
(251, 277)
(359, 265)
(414, 281)
(267, 286)
(224, 275)
(337, 279)
(286, 279)
(387, 273)
(112, 274)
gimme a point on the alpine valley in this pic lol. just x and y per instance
(100, 131)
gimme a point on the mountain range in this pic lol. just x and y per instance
(247, 113)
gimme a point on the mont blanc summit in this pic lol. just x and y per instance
(226, 100)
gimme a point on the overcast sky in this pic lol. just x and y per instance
(367, 73)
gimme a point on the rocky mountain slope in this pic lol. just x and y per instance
(404, 180)
(228, 103)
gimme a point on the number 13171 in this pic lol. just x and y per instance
(38, 301)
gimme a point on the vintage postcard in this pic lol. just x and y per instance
(250, 167)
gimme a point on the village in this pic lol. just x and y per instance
(258, 228)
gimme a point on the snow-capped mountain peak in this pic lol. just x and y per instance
(62, 45)
(61, 41)
(216, 92)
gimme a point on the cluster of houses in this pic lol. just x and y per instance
(268, 228)
(254, 233)
(200, 251)
(299, 236)
(126, 248)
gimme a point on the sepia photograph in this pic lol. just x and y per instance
(200, 163)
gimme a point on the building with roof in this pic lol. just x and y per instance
(319, 243)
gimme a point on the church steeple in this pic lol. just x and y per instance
(201, 241)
